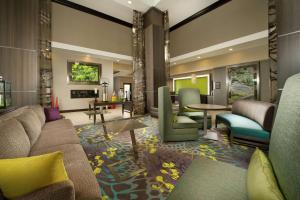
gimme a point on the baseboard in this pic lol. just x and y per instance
(74, 110)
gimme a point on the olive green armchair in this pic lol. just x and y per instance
(187, 96)
(171, 126)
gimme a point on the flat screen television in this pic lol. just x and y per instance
(84, 73)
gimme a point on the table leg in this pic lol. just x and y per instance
(103, 124)
(205, 122)
(95, 114)
(208, 134)
(90, 109)
(134, 145)
(131, 111)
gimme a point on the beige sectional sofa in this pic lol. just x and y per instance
(24, 132)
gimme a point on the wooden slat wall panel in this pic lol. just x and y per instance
(288, 39)
(19, 48)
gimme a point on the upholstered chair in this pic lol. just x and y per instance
(171, 126)
(189, 96)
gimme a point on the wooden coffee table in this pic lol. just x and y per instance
(120, 126)
(209, 134)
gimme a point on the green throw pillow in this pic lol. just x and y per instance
(187, 109)
(261, 182)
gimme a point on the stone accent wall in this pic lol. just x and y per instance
(167, 48)
(45, 53)
(138, 52)
(273, 49)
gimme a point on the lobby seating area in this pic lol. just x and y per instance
(149, 99)
(256, 182)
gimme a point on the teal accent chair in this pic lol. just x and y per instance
(250, 122)
(171, 126)
(206, 179)
(187, 96)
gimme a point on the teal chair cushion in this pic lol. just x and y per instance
(243, 127)
(205, 179)
(185, 122)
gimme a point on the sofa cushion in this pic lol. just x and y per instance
(49, 138)
(21, 176)
(14, 141)
(58, 125)
(261, 182)
(185, 122)
(205, 179)
(243, 127)
(78, 169)
(259, 111)
(39, 111)
(59, 191)
(31, 124)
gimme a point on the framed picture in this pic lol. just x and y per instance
(83, 73)
(243, 82)
(217, 85)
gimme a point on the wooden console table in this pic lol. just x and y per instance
(127, 106)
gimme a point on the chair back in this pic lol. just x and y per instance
(187, 96)
(284, 151)
(259, 111)
(165, 114)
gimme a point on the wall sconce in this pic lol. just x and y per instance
(194, 79)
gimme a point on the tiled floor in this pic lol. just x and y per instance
(80, 118)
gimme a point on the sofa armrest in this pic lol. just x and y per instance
(64, 190)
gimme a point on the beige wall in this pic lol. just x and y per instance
(123, 67)
(62, 89)
(235, 19)
(244, 56)
(119, 81)
(78, 28)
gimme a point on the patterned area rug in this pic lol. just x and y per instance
(159, 166)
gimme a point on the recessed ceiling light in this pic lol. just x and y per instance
(230, 49)
(129, 2)
(118, 60)
(199, 57)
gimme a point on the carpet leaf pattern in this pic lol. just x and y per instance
(160, 165)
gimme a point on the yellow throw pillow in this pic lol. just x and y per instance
(21, 176)
(261, 182)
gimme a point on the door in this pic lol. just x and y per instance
(127, 91)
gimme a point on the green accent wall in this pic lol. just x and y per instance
(201, 84)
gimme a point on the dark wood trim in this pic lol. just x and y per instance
(74, 110)
(200, 13)
(92, 12)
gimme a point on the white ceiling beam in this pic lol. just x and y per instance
(223, 45)
(107, 54)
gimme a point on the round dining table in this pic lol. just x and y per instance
(205, 108)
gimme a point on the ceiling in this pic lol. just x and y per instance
(178, 10)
